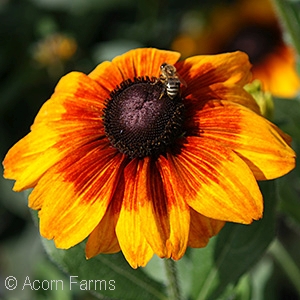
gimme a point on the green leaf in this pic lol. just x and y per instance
(287, 116)
(287, 263)
(233, 252)
(289, 190)
(46, 272)
(260, 276)
(288, 11)
(243, 288)
(107, 275)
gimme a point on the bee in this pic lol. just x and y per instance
(171, 80)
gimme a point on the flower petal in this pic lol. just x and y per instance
(135, 63)
(144, 62)
(153, 209)
(107, 75)
(178, 212)
(28, 159)
(205, 70)
(202, 229)
(103, 238)
(81, 189)
(222, 91)
(216, 182)
(164, 216)
(81, 90)
(75, 107)
(130, 235)
(254, 138)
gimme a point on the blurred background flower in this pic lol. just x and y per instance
(250, 26)
(53, 51)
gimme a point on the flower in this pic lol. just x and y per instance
(113, 158)
(252, 27)
(54, 48)
(53, 52)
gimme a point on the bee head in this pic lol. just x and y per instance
(163, 66)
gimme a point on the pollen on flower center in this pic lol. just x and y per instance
(141, 120)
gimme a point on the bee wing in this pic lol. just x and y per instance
(182, 81)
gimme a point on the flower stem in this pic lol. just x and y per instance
(287, 264)
(173, 282)
(289, 17)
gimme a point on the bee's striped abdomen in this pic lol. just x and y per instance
(172, 87)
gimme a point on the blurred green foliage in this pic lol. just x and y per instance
(102, 29)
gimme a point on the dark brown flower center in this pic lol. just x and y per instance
(141, 120)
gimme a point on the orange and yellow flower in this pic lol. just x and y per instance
(112, 158)
(54, 48)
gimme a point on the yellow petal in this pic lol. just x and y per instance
(144, 62)
(103, 238)
(164, 215)
(216, 182)
(254, 138)
(107, 75)
(223, 91)
(82, 91)
(135, 63)
(152, 209)
(130, 235)
(75, 194)
(178, 212)
(202, 229)
(29, 159)
(71, 118)
(205, 70)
